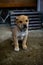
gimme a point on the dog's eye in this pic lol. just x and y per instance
(26, 20)
(20, 21)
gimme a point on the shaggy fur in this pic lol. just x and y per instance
(20, 32)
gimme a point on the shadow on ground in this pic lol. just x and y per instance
(32, 56)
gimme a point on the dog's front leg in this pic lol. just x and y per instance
(16, 45)
(24, 45)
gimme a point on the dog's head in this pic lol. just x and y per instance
(22, 21)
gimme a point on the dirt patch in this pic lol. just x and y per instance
(32, 56)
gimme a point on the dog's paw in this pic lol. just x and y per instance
(16, 49)
(25, 47)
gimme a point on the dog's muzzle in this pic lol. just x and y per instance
(24, 26)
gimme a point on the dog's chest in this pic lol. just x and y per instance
(21, 35)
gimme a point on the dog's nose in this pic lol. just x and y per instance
(25, 26)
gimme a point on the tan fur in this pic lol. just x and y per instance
(22, 18)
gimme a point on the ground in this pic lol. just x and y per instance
(32, 56)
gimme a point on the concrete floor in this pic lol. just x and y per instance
(32, 56)
(6, 33)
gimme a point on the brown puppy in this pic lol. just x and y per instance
(20, 31)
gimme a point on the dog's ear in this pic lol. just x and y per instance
(28, 17)
(16, 18)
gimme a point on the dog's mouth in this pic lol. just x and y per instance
(23, 29)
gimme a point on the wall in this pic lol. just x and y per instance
(17, 3)
(40, 5)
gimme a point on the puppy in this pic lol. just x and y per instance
(20, 31)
